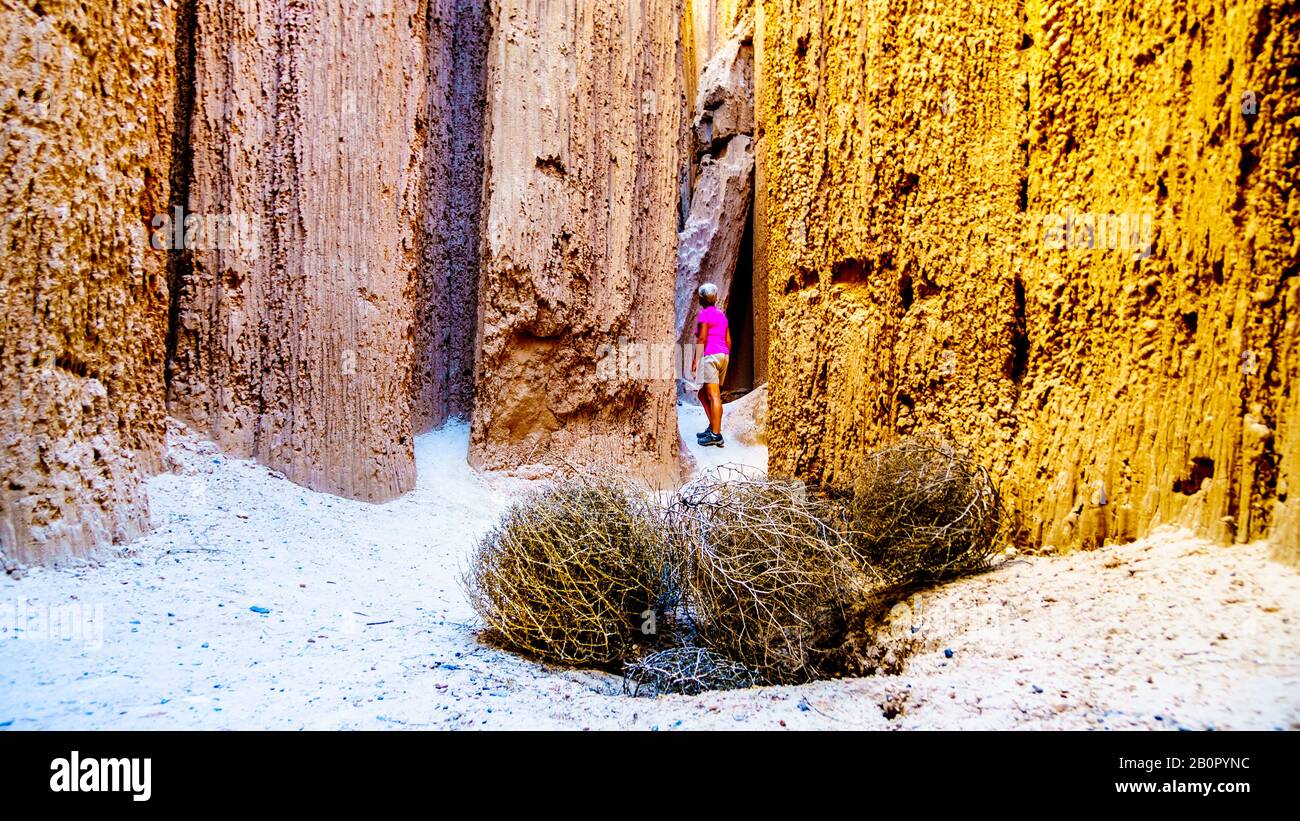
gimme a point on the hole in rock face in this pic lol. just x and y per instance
(1202, 469)
(1019, 359)
(850, 271)
(908, 183)
(1247, 164)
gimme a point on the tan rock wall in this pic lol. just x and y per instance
(580, 198)
(915, 160)
(86, 106)
(711, 25)
(298, 351)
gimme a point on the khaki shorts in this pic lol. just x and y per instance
(713, 369)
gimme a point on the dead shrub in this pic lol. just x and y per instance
(568, 575)
(751, 580)
(686, 671)
(924, 511)
(770, 576)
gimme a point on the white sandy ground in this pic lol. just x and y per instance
(368, 628)
(691, 420)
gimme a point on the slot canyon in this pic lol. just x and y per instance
(451, 206)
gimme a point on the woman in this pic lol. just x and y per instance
(713, 339)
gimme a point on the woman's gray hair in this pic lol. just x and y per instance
(708, 293)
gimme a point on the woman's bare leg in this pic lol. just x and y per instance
(707, 404)
(715, 408)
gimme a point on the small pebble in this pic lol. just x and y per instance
(947, 654)
(257, 609)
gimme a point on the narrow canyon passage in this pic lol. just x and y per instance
(741, 372)
(454, 223)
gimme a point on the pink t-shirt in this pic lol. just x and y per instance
(716, 321)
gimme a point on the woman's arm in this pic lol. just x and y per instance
(728, 339)
(701, 339)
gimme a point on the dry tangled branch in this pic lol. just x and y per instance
(924, 511)
(750, 579)
(568, 574)
(769, 572)
(686, 671)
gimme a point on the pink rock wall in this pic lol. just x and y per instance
(295, 347)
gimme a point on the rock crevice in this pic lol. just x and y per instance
(709, 243)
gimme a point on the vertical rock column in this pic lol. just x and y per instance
(759, 282)
(1159, 320)
(892, 176)
(294, 342)
(86, 106)
(580, 191)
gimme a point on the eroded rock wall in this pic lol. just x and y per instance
(295, 345)
(86, 105)
(920, 165)
(580, 198)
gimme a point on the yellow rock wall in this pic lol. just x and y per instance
(85, 97)
(919, 161)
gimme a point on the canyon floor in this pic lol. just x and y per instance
(360, 624)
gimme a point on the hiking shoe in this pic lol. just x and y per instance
(711, 438)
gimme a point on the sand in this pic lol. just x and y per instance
(365, 627)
